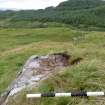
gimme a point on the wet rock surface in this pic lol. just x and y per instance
(36, 68)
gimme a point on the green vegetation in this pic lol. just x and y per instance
(89, 75)
(40, 32)
(72, 12)
(16, 45)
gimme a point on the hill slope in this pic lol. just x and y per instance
(80, 4)
(73, 12)
(88, 75)
(19, 40)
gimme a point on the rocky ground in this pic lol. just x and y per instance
(36, 68)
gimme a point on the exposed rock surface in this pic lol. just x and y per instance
(36, 69)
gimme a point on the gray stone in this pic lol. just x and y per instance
(36, 69)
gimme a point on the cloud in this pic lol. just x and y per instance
(28, 4)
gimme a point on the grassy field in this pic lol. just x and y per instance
(17, 45)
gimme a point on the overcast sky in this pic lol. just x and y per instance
(28, 4)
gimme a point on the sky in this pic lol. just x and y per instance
(28, 4)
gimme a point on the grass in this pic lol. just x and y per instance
(16, 45)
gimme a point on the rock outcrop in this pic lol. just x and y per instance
(36, 68)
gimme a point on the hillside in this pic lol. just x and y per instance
(78, 13)
(76, 27)
(88, 75)
(80, 4)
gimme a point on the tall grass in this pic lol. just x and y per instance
(16, 45)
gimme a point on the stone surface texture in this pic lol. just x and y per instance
(36, 68)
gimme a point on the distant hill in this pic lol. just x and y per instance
(79, 4)
(73, 12)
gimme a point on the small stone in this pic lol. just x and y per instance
(36, 78)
